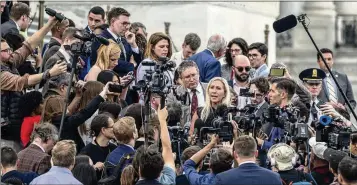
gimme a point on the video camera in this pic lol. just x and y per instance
(335, 136)
(155, 79)
(288, 118)
(83, 48)
(178, 141)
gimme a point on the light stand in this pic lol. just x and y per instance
(74, 65)
(301, 19)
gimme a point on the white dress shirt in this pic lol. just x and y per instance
(200, 95)
(242, 101)
(66, 55)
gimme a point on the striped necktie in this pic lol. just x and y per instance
(331, 90)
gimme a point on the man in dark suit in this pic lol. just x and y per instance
(280, 94)
(63, 52)
(259, 87)
(56, 39)
(192, 93)
(19, 19)
(245, 152)
(95, 18)
(330, 92)
(118, 31)
(207, 60)
(35, 157)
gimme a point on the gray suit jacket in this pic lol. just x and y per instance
(9, 27)
(346, 87)
(185, 106)
(52, 61)
(52, 47)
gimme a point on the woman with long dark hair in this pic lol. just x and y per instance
(31, 105)
(237, 46)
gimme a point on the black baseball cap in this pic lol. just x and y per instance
(334, 157)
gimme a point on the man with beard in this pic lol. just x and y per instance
(240, 83)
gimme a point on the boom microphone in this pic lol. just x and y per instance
(53, 13)
(285, 23)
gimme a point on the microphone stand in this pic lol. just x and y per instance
(74, 65)
(301, 19)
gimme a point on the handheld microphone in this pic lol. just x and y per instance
(285, 23)
(53, 13)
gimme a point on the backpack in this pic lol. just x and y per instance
(114, 179)
(302, 182)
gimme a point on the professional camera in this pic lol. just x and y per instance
(287, 118)
(155, 79)
(178, 141)
(247, 121)
(221, 125)
(83, 48)
(335, 136)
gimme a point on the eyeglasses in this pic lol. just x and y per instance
(125, 24)
(253, 56)
(8, 50)
(240, 69)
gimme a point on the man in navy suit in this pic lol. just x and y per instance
(19, 19)
(280, 93)
(95, 18)
(245, 152)
(118, 31)
(207, 60)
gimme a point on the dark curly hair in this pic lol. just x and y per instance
(241, 43)
(30, 102)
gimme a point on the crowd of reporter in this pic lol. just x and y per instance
(220, 117)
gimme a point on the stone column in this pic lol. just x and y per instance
(346, 21)
(321, 24)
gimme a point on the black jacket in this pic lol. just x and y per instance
(72, 122)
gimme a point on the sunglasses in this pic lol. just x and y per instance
(240, 69)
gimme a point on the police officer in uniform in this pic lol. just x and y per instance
(312, 79)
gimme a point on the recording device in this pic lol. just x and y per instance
(84, 48)
(329, 132)
(53, 13)
(178, 141)
(285, 23)
(119, 88)
(155, 79)
(289, 22)
(245, 93)
(277, 72)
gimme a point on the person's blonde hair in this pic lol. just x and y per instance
(207, 109)
(104, 54)
(124, 129)
(153, 40)
(64, 153)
